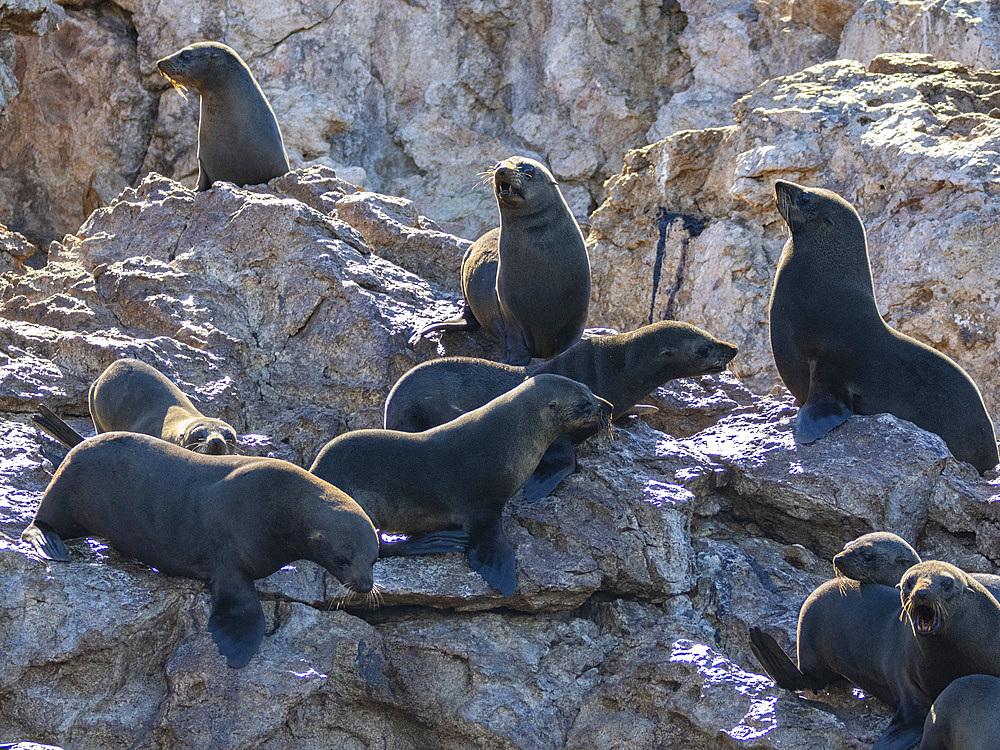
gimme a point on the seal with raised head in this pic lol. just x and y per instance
(528, 281)
(238, 136)
(460, 474)
(883, 557)
(620, 368)
(225, 520)
(835, 353)
(965, 716)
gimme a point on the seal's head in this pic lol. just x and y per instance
(568, 404)
(681, 349)
(879, 557)
(523, 183)
(204, 66)
(344, 541)
(814, 210)
(212, 437)
(929, 592)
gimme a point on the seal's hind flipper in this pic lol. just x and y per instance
(465, 322)
(492, 557)
(776, 663)
(237, 620)
(435, 542)
(46, 542)
(902, 733)
(821, 412)
(47, 421)
(558, 462)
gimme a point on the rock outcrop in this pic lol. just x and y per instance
(637, 579)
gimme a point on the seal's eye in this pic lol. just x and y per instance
(805, 200)
(528, 170)
(867, 556)
(947, 583)
(703, 351)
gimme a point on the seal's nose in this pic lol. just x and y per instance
(215, 446)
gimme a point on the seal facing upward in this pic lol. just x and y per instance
(225, 520)
(836, 354)
(238, 136)
(527, 282)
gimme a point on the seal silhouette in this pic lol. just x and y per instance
(835, 353)
(964, 716)
(132, 396)
(238, 136)
(620, 368)
(528, 281)
(225, 520)
(461, 474)
(883, 557)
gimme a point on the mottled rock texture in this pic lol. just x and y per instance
(637, 578)
(416, 98)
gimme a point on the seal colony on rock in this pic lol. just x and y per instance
(460, 474)
(238, 136)
(835, 353)
(131, 396)
(964, 716)
(225, 520)
(883, 557)
(620, 368)
(853, 630)
(528, 281)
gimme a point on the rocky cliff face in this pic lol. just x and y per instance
(289, 311)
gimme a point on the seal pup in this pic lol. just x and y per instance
(883, 557)
(225, 520)
(460, 474)
(528, 281)
(965, 716)
(835, 353)
(238, 136)
(620, 368)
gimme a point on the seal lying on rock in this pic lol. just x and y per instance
(527, 282)
(132, 396)
(238, 136)
(883, 557)
(225, 520)
(965, 716)
(622, 369)
(835, 353)
(460, 474)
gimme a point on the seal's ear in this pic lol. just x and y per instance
(316, 539)
(899, 585)
(553, 405)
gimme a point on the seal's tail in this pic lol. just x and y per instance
(465, 322)
(47, 421)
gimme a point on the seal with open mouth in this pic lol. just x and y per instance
(527, 282)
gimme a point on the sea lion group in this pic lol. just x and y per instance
(462, 436)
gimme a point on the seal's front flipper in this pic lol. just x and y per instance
(46, 542)
(904, 732)
(821, 412)
(237, 621)
(435, 542)
(48, 422)
(492, 556)
(557, 463)
(776, 663)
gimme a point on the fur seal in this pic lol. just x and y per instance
(460, 474)
(528, 281)
(238, 136)
(225, 520)
(835, 353)
(883, 557)
(964, 716)
(131, 396)
(621, 368)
